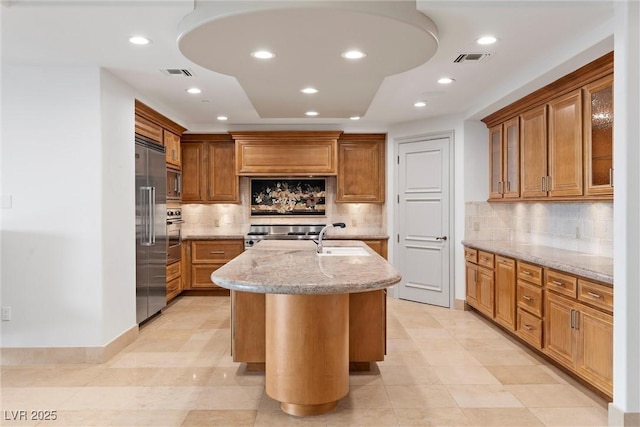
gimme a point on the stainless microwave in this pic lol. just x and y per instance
(174, 184)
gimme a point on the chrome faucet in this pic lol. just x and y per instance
(323, 232)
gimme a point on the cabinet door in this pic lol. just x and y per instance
(533, 146)
(594, 354)
(367, 327)
(505, 292)
(598, 136)
(148, 129)
(485, 291)
(511, 159)
(472, 284)
(558, 330)
(247, 327)
(201, 275)
(361, 169)
(193, 176)
(565, 145)
(222, 182)
(495, 162)
(172, 147)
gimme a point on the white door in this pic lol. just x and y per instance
(423, 221)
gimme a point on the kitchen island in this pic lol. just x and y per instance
(307, 315)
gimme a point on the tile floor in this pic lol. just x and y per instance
(443, 368)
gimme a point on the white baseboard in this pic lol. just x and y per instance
(619, 418)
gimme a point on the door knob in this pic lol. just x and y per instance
(443, 238)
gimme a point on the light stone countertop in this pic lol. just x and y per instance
(589, 266)
(294, 267)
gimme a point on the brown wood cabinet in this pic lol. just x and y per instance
(504, 146)
(565, 146)
(148, 129)
(172, 147)
(367, 323)
(598, 137)
(206, 256)
(286, 153)
(529, 301)
(505, 292)
(480, 287)
(361, 168)
(174, 280)
(208, 174)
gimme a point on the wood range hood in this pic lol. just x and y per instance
(286, 153)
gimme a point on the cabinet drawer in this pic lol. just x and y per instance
(529, 298)
(485, 259)
(201, 275)
(208, 251)
(529, 328)
(174, 270)
(471, 255)
(173, 286)
(529, 272)
(598, 295)
(561, 283)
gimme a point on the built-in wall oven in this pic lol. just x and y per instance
(174, 184)
(174, 235)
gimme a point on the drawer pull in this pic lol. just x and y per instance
(216, 252)
(555, 282)
(484, 258)
(527, 297)
(591, 294)
(528, 327)
(526, 272)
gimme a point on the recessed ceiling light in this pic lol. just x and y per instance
(445, 80)
(354, 117)
(263, 54)
(139, 40)
(194, 90)
(353, 54)
(311, 113)
(486, 40)
(420, 104)
(222, 118)
(309, 90)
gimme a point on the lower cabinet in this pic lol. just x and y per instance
(203, 257)
(174, 280)
(566, 317)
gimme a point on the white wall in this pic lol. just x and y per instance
(68, 264)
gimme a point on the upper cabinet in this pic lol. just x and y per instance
(208, 174)
(153, 125)
(361, 168)
(598, 136)
(286, 153)
(556, 143)
(504, 167)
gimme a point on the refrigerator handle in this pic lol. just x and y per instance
(147, 211)
(152, 216)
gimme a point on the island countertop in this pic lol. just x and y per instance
(294, 267)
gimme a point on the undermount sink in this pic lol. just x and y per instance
(343, 251)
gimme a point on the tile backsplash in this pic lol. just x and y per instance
(584, 227)
(360, 218)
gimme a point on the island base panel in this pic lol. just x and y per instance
(307, 351)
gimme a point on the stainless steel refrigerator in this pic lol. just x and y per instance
(151, 229)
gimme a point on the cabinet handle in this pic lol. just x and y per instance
(527, 297)
(576, 322)
(542, 186)
(500, 187)
(526, 272)
(548, 183)
(216, 252)
(508, 185)
(594, 295)
(611, 177)
(529, 327)
(475, 276)
(555, 282)
(572, 320)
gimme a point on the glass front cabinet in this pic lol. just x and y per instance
(598, 136)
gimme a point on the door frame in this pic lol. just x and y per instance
(396, 205)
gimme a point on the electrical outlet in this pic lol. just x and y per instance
(528, 227)
(6, 313)
(577, 232)
(476, 226)
(354, 222)
(216, 223)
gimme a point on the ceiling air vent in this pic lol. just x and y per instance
(471, 57)
(178, 72)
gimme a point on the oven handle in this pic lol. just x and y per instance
(175, 221)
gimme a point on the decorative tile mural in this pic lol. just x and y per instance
(288, 197)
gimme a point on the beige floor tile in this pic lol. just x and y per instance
(465, 375)
(407, 358)
(365, 396)
(450, 358)
(229, 397)
(483, 396)
(86, 418)
(532, 374)
(420, 396)
(400, 345)
(419, 322)
(230, 375)
(151, 418)
(202, 418)
(495, 343)
(429, 334)
(369, 417)
(431, 417)
(189, 377)
(406, 375)
(512, 357)
(277, 418)
(507, 417)
(550, 396)
(102, 398)
(120, 377)
(575, 417)
(365, 378)
(45, 398)
(440, 344)
(49, 375)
